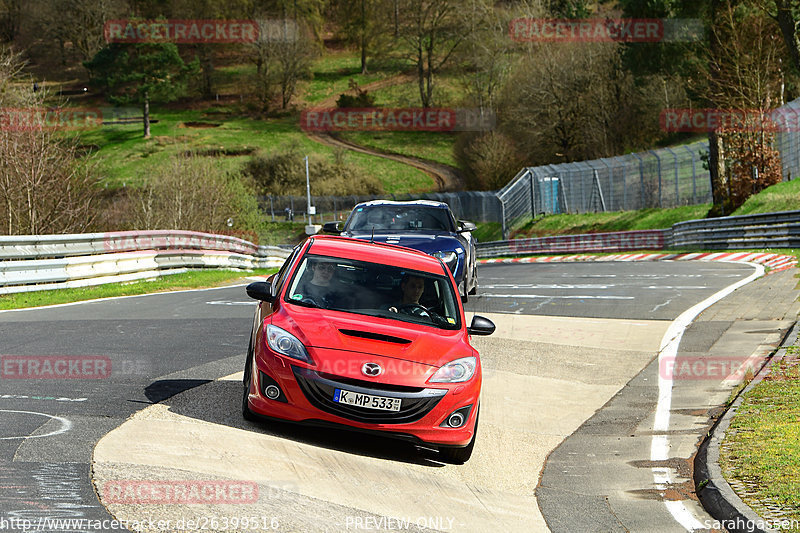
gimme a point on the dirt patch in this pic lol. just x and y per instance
(198, 124)
(220, 152)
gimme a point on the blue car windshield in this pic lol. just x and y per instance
(384, 218)
(375, 290)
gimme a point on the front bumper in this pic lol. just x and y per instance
(307, 396)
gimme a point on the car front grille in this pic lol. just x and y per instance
(319, 390)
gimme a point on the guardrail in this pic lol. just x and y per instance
(766, 230)
(42, 262)
(620, 241)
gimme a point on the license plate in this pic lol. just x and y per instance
(369, 401)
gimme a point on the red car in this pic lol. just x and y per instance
(367, 336)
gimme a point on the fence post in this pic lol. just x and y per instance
(271, 208)
(533, 196)
(658, 159)
(610, 184)
(641, 179)
(677, 193)
(694, 175)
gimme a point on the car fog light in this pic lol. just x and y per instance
(455, 420)
(270, 388)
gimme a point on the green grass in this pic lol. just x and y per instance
(434, 146)
(762, 446)
(125, 158)
(189, 280)
(614, 221)
(488, 232)
(784, 196)
(332, 74)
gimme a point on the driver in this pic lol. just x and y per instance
(412, 288)
(323, 289)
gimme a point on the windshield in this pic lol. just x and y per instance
(400, 218)
(375, 290)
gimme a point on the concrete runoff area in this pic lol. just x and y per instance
(601, 478)
(535, 395)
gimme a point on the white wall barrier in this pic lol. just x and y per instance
(41, 262)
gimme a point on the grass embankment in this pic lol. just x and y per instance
(193, 279)
(124, 157)
(614, 221)
(762, 446)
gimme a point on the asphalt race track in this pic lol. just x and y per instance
(570, 373)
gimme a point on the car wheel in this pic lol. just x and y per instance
(247, 414)
(462, 288)
(474, 289)
(459, 456)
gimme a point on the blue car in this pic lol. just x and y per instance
(421, 224)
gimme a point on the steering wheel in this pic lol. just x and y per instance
(310, 300)
(414, 309)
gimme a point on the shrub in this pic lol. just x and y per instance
(283, 173)
(489, 160)
(193, 193)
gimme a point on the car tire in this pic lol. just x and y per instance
(474, 290)
(459, 456)
(247, 414)
(462, 288)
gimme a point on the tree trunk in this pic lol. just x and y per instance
(787, 24)
(717, 171)
(146, 115)
(363, 31)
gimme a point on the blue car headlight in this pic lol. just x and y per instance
(449, 258)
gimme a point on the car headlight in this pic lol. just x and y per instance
(286, 344)
(449, 258)
(456, 371)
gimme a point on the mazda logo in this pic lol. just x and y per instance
(371, 369)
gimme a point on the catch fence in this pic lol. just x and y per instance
(472, 205)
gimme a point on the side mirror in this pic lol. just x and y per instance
(332, 227)
(481, 326)
(463, 225)
(260, 290)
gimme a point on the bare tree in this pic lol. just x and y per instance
(432, 31)
(45, 186)
(744, 76)
(193, 193)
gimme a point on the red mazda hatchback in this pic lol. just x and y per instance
(367, 336)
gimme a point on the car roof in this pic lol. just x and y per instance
(426, 203)
(374, 252)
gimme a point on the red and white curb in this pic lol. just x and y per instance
(775, 262)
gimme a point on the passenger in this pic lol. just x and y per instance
(324, 289)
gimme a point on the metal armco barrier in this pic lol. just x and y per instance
(766, 230)
(588, 242)
(41, 262)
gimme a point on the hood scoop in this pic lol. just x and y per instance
(374, 336)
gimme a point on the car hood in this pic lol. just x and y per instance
(332, 336)
(425, 242)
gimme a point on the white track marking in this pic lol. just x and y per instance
(659, 448)
(66, 425)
